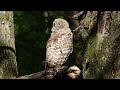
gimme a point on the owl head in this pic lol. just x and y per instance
(60, 24)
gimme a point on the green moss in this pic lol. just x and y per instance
(98, 58)
(94, 58)
(91, 47)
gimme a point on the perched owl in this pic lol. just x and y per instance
(59, 47)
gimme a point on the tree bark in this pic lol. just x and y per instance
(102, 55)
(8, 64)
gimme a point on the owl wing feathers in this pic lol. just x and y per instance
(59, 46)
(53, 56)
(66, 45)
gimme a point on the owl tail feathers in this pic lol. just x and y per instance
(49, 73)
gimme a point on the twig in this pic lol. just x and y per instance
(80, 26)
(78, 14)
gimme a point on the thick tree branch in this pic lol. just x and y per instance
(37, 75)
(64, 70)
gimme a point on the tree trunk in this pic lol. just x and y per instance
(8, 64)
(102, 55)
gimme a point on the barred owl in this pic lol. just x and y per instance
(59, 47)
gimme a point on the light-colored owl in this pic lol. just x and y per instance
(59, 47)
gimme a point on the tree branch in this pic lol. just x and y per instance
(78, 14)
(64, 70)
(37, 75)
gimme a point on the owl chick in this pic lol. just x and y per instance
(59, 47)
